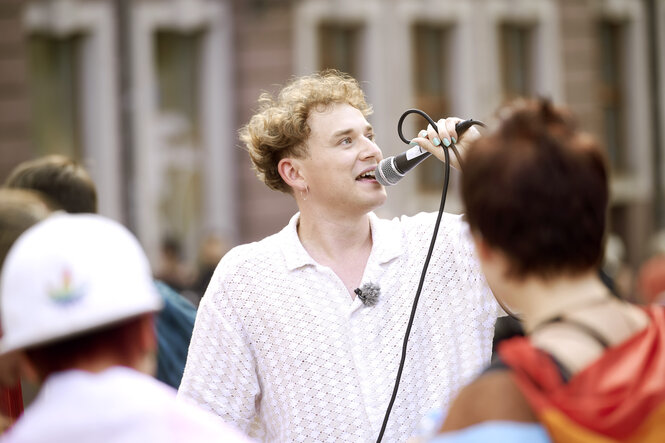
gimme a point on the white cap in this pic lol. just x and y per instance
(69, 274)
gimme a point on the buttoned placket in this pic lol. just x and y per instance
(358, 316)
(355, 315)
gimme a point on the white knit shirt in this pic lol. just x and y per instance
(281, 350)
(117, 405)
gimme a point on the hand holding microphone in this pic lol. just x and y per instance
(392, 169)
(449, 136)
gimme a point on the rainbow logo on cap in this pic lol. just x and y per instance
(65, 294)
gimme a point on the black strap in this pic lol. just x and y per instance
(579, 325)
(498, 364)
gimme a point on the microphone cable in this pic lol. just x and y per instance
(460, 128)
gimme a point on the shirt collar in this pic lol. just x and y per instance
(387, 239)
(387, 242)
(294, 252)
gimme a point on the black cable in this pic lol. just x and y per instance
(460, 128)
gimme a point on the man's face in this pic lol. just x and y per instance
(342, 156)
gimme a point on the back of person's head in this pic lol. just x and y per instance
(537, 189)
(279, 129)
(19, 210)
(61, 179)
(75, 288)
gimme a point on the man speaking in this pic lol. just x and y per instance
(299, 335)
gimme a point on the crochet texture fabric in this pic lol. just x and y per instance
(281, 350)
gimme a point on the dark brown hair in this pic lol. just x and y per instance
(118, 340)
(19, 210)
(61, 179)
(537, 189)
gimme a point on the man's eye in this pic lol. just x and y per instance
(370, 136)
(346, 141)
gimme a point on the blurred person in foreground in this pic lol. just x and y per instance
(299, 335)
(77, 297)
(19, 210)
(66, 183)
(591, 367)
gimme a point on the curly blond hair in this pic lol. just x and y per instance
(279, 129)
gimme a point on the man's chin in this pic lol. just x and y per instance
(376, 202)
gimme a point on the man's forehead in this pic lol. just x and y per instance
(337, 119)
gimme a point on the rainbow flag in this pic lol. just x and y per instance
(11, 401)
(619, 397)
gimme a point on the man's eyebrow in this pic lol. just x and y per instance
(342, 132)
(349, 131)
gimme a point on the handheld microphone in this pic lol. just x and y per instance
(392, 169)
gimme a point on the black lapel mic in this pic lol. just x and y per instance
(392, 169)
(368, 293)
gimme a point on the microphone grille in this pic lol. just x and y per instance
(369, 293)
(386, 173)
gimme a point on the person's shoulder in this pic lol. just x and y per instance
(173, 300)
(494, 395)
(250, 262)
(496, 430)
(453, 230)
(166, 416)
(248, 254)
(427, 220)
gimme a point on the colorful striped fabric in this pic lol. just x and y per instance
(11, 401)
(619, 397)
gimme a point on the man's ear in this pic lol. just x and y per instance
(146, 358)
(492, 259)
(289, 170)
(147, 333)
(483, 250)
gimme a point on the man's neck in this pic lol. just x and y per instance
(330, 239)
(545, 299)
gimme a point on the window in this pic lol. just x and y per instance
(183, 162)
(72, 65)
(525, 59)
(611, 93)
(516, 63)
(54, 86)
(177, 62)
(431, 95)
(338, 47)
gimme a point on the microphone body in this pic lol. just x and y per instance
(392, 169)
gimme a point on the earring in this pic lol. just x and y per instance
(304, 194)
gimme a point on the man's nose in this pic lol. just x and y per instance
(371, 149)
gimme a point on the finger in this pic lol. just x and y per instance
(437, 151)
(426, 144)
(447, 130)
(433, 136)
(443, 132)
(450, 126)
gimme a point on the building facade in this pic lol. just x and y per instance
(149, 94)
